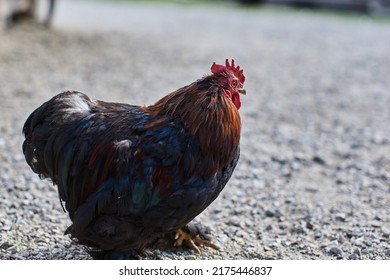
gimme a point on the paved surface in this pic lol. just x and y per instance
(313, 181)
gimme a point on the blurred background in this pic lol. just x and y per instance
(44, 9)
(367, 6)
(313, 181)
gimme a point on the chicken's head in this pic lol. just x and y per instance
(231, 81)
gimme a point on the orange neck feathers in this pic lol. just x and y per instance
(208, 115)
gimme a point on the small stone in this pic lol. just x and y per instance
(335, 251)
(365, 251)
(368, 242)
(319, 159)
(354, 233)
(323, 245)
(340, 217)
(167, 254)
(286, 172)
(358, 241)
(269, 256)
(13, 249)
(235, 221)
(289, 199)
(273, 213)
(295, 165)
(309, 225)
(386, 234)
(318, 234)
(353, 257)
(376, 241)
(28, 196)
(5, 246)
(223, 238)
(311, 190)
(357, 252)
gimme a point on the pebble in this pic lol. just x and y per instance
(273, 213)
(359, 241)
(5, 246)
(309, 225)
(319, 159)
(357, 252)
(289, 199)
(353, 257)
(386, 234)
(269, 256)
(341, 217)
(335, 251)
(235, 221)
(365, 251)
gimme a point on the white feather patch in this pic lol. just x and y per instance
(123, 144)
(76, 105)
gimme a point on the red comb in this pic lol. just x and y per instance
(239, 73)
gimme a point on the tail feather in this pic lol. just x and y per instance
(64, 142)
(50, 137)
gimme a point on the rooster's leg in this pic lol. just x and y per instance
(194, 235)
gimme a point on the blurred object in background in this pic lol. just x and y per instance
(381, 7)
(14, 11)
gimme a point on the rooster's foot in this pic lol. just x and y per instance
(194, 235)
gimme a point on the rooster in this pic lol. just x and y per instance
(127, 174)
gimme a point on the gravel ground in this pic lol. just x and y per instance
(313, 181)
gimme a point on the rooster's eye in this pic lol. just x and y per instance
(234, 83)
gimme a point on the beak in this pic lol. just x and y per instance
(242, 91)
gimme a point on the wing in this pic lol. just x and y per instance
(135, 174)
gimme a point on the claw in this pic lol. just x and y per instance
(192, 242)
